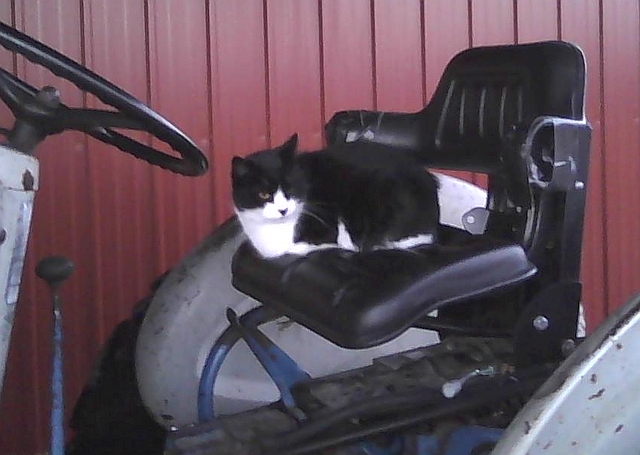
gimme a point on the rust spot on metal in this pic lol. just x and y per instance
(594, 378)
(527, 427)
(619, 428)
(574, 443)
(27, 181)
(618, 346)
(3, 236)
(547, 445)
(598, 394)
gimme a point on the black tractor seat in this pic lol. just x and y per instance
(359, 300)
(514, 113)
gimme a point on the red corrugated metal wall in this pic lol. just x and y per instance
(238, 75)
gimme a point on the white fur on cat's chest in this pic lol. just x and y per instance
(275, 237)
(270, 237)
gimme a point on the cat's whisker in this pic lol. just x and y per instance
(313, 215)
(317, 203)
(412, 251)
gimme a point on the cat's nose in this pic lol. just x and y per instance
(283, 212)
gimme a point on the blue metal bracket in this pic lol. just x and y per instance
(57, 382)
(395, 448)
(282, 369)
(218, 353)
(461, 441)
(465, 439)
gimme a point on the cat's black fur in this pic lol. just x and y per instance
(380, 195)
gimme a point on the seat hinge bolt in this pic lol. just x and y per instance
(540, 323)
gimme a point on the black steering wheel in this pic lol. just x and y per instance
(40, 113)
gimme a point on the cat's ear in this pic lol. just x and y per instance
(288, 149)
(240, 167)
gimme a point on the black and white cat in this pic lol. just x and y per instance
(353, 196)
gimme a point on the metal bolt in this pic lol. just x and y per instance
(579, 185)
(27, 181)
(471, 219)
(567, 346)
(451, 388)
(49, 96)
(450, 345)
(540, 323)
(477, 356)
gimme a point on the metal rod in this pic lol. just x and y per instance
(57, 382)
(217, 355)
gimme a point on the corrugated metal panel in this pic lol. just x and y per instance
(621, 100)
(179, 86)
(239, 90)
(347, 55)
(494, 24)
(398, 55)
(120, 199)
(238, 75)
(537, 20)
(579, 19)
(293, 50)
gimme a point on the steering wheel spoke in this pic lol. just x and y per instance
(85, 120)
(15, 92)
(140, 150)
(36, 108)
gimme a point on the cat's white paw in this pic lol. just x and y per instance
(344, 239)
(303, 248)
(409, 242)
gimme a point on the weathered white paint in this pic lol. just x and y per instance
(589, 405)
(18, 183)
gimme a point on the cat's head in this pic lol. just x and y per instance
(269, 184)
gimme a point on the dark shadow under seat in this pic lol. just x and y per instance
(359, 300)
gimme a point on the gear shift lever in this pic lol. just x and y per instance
(54, 270)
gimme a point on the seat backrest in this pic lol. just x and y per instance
(488, 94)
(516, 113)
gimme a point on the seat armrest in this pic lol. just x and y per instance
(568, 141)
(395, 129)
(556, 150)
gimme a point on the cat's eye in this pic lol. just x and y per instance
(264, 196)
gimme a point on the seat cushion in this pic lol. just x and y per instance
(359, 300)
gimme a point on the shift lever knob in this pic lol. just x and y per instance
(54, 270)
